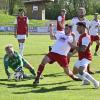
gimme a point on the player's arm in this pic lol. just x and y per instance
(27, 33)
(83, 47)
(74, 40)
(6, 66)
(20, 61)
(52, 35)
(59, 22)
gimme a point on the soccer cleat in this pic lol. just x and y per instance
(96, 84)
(75, 78)
(50, 48)
(90, 72)
(85, 82)
(36, 82)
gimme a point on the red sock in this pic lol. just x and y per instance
(97, 47)
(39, 72)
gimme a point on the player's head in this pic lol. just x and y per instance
(9, 50)
(63, 12)
(21, 12)
(81, 26)
(81, 12)
(68, 29)
(96, 16)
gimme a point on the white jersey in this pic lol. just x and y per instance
(94, 27)
(74, 22)
(61, 45)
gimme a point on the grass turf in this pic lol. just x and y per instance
(55, 85)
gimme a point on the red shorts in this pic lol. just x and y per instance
(60, 59)
(94, 38)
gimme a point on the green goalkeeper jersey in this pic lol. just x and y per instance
(13, 62)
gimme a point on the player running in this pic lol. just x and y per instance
(58, 53)
(84, 55)
(75, 20)
(94, 28)
(60, 24)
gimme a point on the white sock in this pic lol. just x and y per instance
(82, 77)
(21, 48)
(89, 77)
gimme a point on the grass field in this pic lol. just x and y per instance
(8, 20)
(55, 85)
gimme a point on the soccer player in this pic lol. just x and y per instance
(21, 29)
(75, 20)
(14, 60)
(84, 55)
(79, 18)
(94, 27)
(60, 24)
(58, 53)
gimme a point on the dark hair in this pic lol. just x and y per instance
(20, 10)
(81, 24)
(67, 25)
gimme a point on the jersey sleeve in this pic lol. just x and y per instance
(6, 66)
(6, 63)
(20, 61)
(59, 18)
(85, 41)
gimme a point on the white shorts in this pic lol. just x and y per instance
(84, 63)
(19, 37)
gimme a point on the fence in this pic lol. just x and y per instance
(32, 30)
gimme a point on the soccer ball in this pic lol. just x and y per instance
(18, 76)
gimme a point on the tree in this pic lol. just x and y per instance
(11, 5)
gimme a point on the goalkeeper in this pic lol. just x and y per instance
(14, 60)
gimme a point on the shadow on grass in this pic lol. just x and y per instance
(54, 74)
(3, 80)
(98, 72)
(15, 85)
(54, 89)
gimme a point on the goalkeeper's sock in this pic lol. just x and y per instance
(33, 72)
